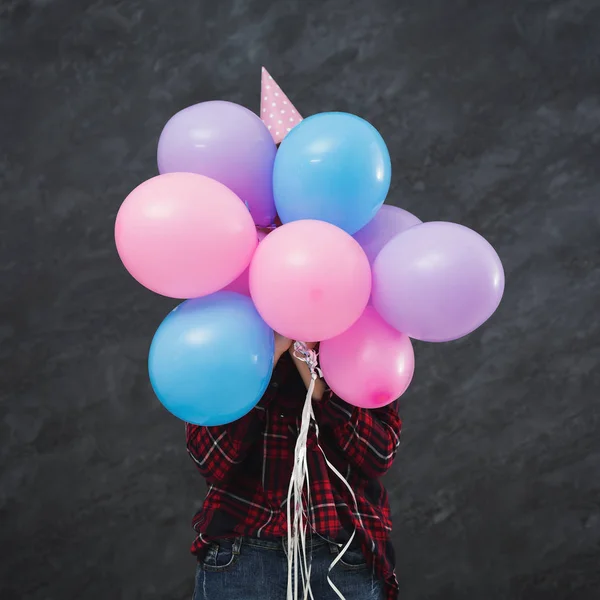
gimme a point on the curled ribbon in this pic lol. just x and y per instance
(296, 524)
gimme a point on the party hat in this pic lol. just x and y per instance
(276, 110)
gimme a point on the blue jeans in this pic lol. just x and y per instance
(253, 569)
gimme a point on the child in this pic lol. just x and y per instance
(241, 544)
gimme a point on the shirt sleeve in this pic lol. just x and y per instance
(218, 449)
(369, 438)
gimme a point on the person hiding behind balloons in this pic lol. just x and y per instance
(241, 541)
(295, 507)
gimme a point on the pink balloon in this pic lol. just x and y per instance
(369, 365)
(310, 280)
(387, 224)
(184, 235)
(242, 284)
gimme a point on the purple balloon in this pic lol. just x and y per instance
(437, 281)
(227, 142)
(387, 224)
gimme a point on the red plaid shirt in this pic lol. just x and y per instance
(248, 463)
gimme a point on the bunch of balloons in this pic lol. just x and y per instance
(342, 268)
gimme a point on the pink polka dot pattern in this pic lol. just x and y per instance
(276, 110)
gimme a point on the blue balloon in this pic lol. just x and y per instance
(211, 359)
(333, 167)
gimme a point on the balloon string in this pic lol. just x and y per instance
(296, 525)
(349, 542)
(310, 357)
(271, 227)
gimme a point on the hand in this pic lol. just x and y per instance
(309, 345)
(282, 345)
(306, 374)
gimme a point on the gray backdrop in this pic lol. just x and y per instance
(491, 112)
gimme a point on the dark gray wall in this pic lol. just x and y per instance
(491, 112)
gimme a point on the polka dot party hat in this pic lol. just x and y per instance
(276, 110)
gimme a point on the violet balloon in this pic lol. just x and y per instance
(387, 223)
(370, 364)
(437, 281)
(227, 142)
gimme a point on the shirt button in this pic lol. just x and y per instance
(274, 385)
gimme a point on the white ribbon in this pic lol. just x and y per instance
(296, 524)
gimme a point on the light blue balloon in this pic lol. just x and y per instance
(333, 167)
(211, 359)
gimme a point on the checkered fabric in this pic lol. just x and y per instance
(247, 465)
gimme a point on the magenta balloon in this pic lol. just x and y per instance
(310, 280)
(387, 223)
(370, 364)
(242, 284)
(184, 235)
(227, 142)
(437, 281)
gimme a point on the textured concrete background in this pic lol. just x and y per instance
(491, 111)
